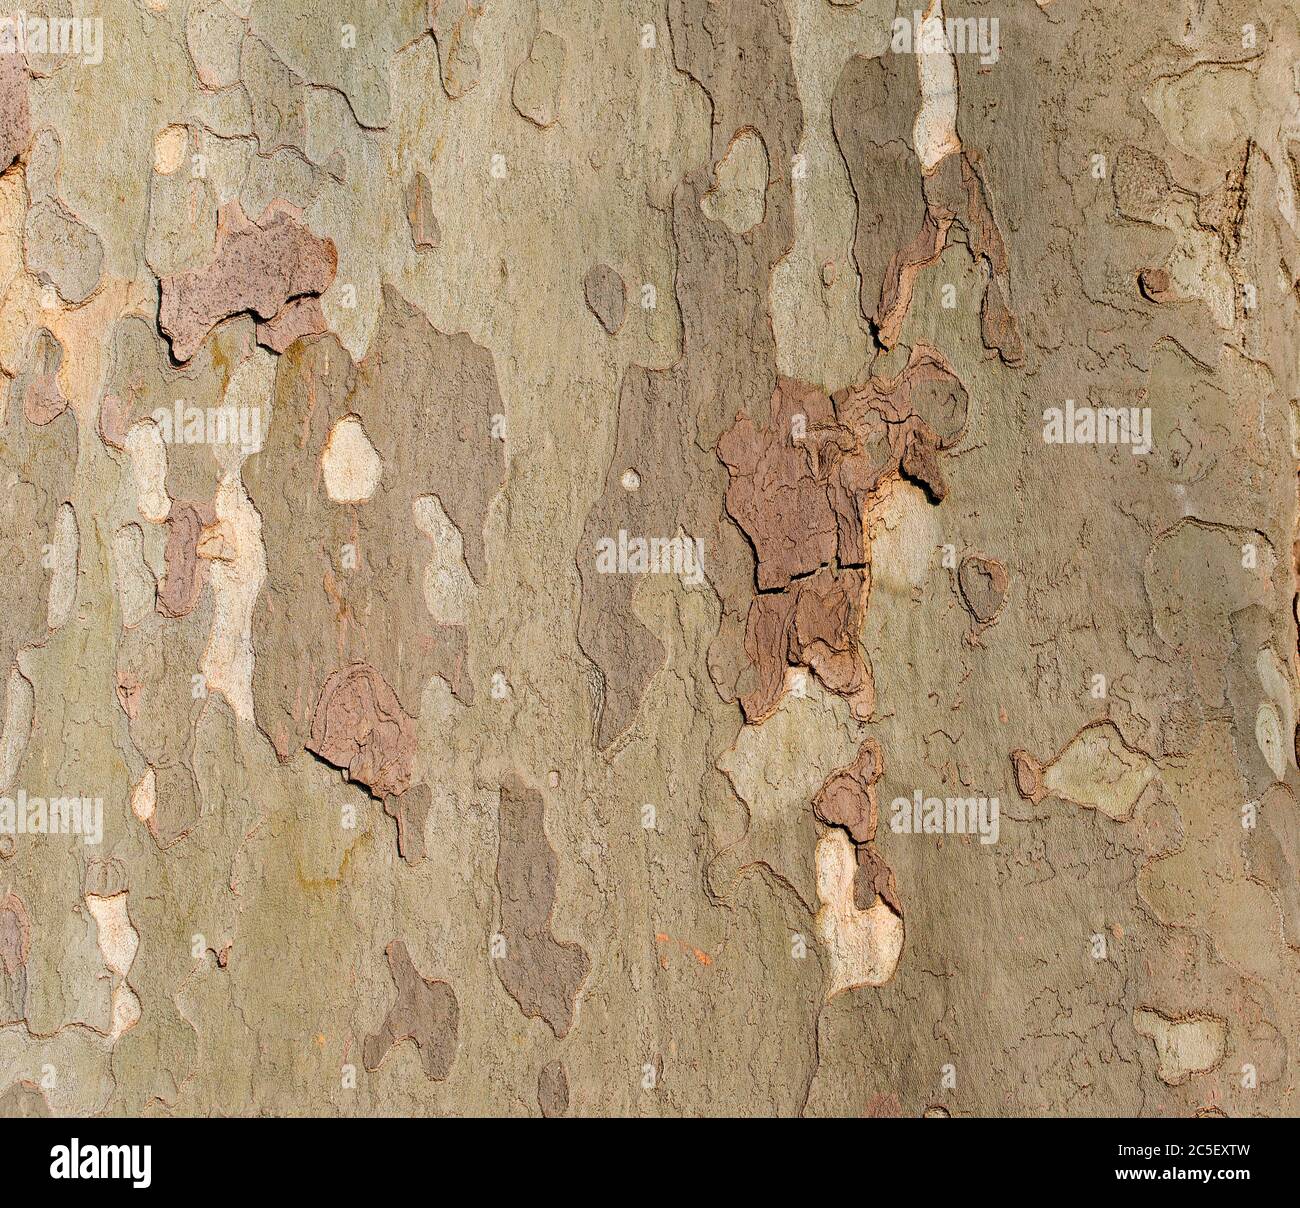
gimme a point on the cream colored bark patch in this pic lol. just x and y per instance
(63, 581)
(1183, 1047)
(863, 945)
(118, 939)
(1268, 734)
(144, 797)
(776, 768)
(1098, 772)
(135, 583)
(126, 1010)
(144, 445)
(349, 462)
(169, 149)
(1277, 684)
(237, 577)
(739, 198)
(934, 135)
(905, 536)
(20, 704)
(118, 944)
(448, 587)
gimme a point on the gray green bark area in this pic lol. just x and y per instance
(650, 559)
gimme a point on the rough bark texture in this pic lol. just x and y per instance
(667, 558)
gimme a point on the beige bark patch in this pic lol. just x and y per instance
(63, 580)
(1183, 1047)
(864, 946)
(236, 578)
(1277, 684)
(1197, 269)
(19, 709)
(148, 453)
(351, 466)
(1268, 736)
(1097, 771)
(136, 585)
(778, 766)
(118, 939)
(144, 797)
(448, 588)
(738, 199)
(455, 30)
(212, 35)
(169, 149)
(905, 537)
(537, 80)
(935, 133)
(118, 943)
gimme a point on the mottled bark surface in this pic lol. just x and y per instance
(650, 559)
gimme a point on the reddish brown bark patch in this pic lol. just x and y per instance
(186, 572)
(38, 383)
(848, 798)
(15, 112)
(256, 267)
(815, 623)
(775, 492)
(799, 486)
(1156, 285)
(360, 726)
(1029, 776)
(300, 318)
(983, 583)
(920, 464)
